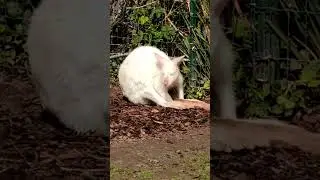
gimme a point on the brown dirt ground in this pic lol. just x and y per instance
(31, 148)
(138, 121)
(239, 149)
(263, 150)
(154, 137)
(164, 154)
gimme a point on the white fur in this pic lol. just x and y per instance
(223, 57)
(67, 49)
(141, 80)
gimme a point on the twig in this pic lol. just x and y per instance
(188, 5)
(158, 122)
(118, 55)
(4, 170)
(138, 7)
(174, 27)
(46, 161)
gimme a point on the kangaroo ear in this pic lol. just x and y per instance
(178, 60)
(160, 60)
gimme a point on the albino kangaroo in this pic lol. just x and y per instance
(147, 74)
(221, 65)
(67, 48)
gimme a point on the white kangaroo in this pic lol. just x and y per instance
(221, 65)
(147, 74)
(67, 46)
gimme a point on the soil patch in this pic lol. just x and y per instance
(32, 149)
(278, 161)
(263, 150)
(138, 121)
(170, 155)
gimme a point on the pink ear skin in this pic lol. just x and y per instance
(165, 82)
(160, 61)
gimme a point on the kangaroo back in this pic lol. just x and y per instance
(67, 50)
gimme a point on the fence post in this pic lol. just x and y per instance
(193, 23)
(266, 45)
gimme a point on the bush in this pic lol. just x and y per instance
(166, 25)
(290, 94)
(13, 28)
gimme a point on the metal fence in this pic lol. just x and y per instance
(285, 36)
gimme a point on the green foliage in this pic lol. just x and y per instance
(288, 99)
(202, 55)
(281, 98)
(113, 71)
(153, 28)
(310, 75)
(241, 28)
(201, 68)
(13, 29)
(150, 27)
(285, 98)
(199, 92)
(258, 106)
(304, 44)
(197, 38)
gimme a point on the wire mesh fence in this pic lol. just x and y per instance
(285, 35)
(277, 43)
(286, 39)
